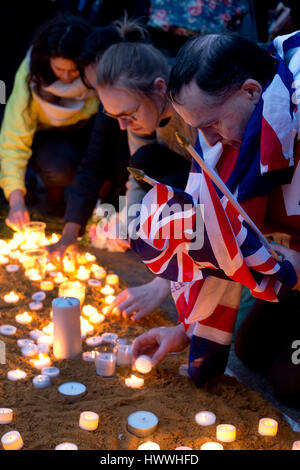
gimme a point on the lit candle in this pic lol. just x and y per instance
(66, 446)
(143, 364)
(3, 259)
(89, 310)
(24, 342)
(72, 390)
(105, 364)
(149, 445)
(12, 440)
(5, 250)
(45, 339)
(69, 266)
(24, 318)
(83, 274)
(15, 255)
(142, 423)
(54, 239)
(6, 415)
(267, 427)
(107, 290)
(8, 330)
(49, 329)
(42, 361)
(205, 418)
(33, 275)
(90, 258)
(134, 382)
(67, 331)
(296, 445)
(47, 285)
(11, 298)
(226, 433)
(59, 278)
(36, 305)
(124, 354)
(16, 374)
(96, 318)
(35, 334)
(30, 350)
(112, 280)
(86, 327)
(89, 356)
(109, 299)
(12, 268)
(88, 420)
(94, 341)
(41, 381)
(211, 446)
(109, 337)
(99, 273)
(52, 372)
(50, 267)
(183, 448)
(38, 296)
(94, 283)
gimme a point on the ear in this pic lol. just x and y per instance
(160, 86)
(253, 90)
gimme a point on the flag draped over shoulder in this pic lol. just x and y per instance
(201, 276)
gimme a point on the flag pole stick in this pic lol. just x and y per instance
(219, 183)
(139, 175)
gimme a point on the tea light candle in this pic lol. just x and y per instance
(109, 337)
(83, 274)
(142, 423)
(43, 348)
(226, 433)
(51, 372)
(72, 390)
(99, 273)
(48, 329)
(30, 350)
(296, 445)
(8, 330)
(34, 275)
(89, 310)
(211, 446)
(50, 267)
(45, 340)
(143, 364)
(41, 381)
(6, 415)
(15, 254)
(86, 327)
(93, 341)
(69, 266)
(105, 364)
(88, 420)
(42, 361)
(66, 446)
(183, 448)
(59, 278)
(35, 334)
(89, 356)
(5, 250)
(134, 382)
(16, 374)
(11, 298)
(94, 283)
(12, 268)
(267, 427)
(90, 258)
(53, 239)
(112, 280)
(36, 306)
(47, 285)
(12, 440)
(24, 342)
(107, 290)
(24, 318)
(96, 318)
(109, 299)
(124, 354)
(3, 259)
(205, 418)
(149, 446)
(67, 331)
(38, 296)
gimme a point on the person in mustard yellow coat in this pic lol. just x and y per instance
(47, 117)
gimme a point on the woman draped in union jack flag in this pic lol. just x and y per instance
(244, 102)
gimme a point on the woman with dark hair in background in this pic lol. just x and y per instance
(46, 124)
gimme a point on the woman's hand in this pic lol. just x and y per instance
(137, 302)
(68, 239)
(159, 342)
(292, 256)
(18, 214)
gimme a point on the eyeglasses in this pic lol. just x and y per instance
(125, 117)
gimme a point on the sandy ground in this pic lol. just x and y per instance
(45, 419)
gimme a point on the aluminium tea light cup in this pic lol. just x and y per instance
(267, 427)
(89, 356)
(88, 420)
(6, 415)
(16, 374)
(142, 423)
(112, 280)
(205, 418)
(226, 433)
(42, 360)
(35, 334)
(38, 296)
(30, 350)
(89, 310)
(12, 440)
(94, 283)
(149, 445)
(94, 341)
(34, 306)
(296, 445)
(97, 318)
(72, 390)
(12, 268)
(8, 330)
(66, 446)
(211, 446)
(41, 381)
(3, 259)
(45, 340)
(83, 274)
(11, 298)
(134, 382)
(24, 318)
(51, 372)
(24, 342)
(107, 290)
(47, 285)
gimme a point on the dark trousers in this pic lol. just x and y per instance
(267, 342)
(162, 164)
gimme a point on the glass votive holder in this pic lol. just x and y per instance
(106, 359)
(72, 289)
(34, 263)
(34, 233)
(124, 356)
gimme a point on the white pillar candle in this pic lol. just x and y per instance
(24, 318)
(47, 285)
(267, 427)
(134, 382)
(36, 306)
(149, 446)
(67, 331)
(211, 446)
(107, 290)
(35, 334)
(296, 445)
(226, 433)
(41, 381)
(66, 446)
(89, 356)
(205, 418)
(94, 283)
(8, 330)
(42, 361)
(11, 298)
(12, 268)
(124, 354)
(105, 364)
(143, 364)
(16, 374)
(24, 342)
(30, 350)
(6, 415)
(72, 390)
(94, 341)
(52, 372)
(12, 440)
(38, 296)
(88, 420)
